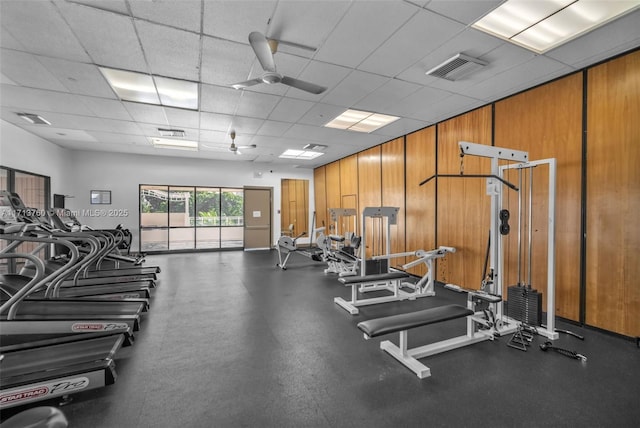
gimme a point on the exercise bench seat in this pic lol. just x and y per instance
(373, 278)
(402, 323)
(394, 323)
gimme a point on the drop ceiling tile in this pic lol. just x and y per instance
(412, 105)
(25, 70)
(410, 43)
(79, 78)
(306, 23)
(386, 96)
(7, 41)
(119, 6)
(215, 121)
(110, 39)
(236, 66)
(181, 118)
(402, 126)
(290, 110)
(118, 138)
(146, 113)
(183, 14)
(273, 128)
(39, 100)
(353, 88)
(106, 108)
(25, 20)
(170, 52)
(364, 27)
(124, 127)
(321, 114)
(246, 125)
(247, 16)
(256, 105)
(463, 11)
(218, 99)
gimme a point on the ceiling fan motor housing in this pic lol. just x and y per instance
(271, 77)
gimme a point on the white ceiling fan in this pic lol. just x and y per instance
(236, 149)
(264, 50)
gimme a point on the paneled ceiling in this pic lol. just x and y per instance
(371, 55)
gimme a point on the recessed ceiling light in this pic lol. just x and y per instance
(34, 119)
(299, 154)
(361, 121)
(545, 24)
(169, 143)
(145, 88)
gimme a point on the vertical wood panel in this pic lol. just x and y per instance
(393, 192)
(334, 198)
(613, 196)
(349, 187)
(285, 206)
(547, 122)
(320, 196)
(463, 206)
(369, 189)
(421, 200)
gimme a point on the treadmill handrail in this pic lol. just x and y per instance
(11, 304)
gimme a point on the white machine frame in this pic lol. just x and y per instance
(425, 287)
(494, 188)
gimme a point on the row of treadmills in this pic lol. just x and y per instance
(71, 298)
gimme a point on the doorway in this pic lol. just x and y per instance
(257, 218)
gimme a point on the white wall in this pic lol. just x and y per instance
(27, 152)
(122, 174)
(76, 173)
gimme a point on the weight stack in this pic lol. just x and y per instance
(524, 304)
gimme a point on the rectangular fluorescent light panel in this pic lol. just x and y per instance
(361, 121)
(148, 89)
(172, 143)
(300, 154)
(545, 24)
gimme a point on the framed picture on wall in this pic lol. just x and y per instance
(102, 197)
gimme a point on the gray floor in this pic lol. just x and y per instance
(232, 341)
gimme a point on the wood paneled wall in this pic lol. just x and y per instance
(320, 197)
(547, 122)
(294, 206)
(393, 195)
(369, 190)
(613, 196)
(463, 216)
(421, 200)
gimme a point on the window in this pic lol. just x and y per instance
(183, 218)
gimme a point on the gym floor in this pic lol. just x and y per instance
(233, 341)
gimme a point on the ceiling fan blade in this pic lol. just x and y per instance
(246, 83)
(251, 146)
(262, 50)
(301, 84)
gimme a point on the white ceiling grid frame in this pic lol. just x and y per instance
(28, 18)
(79, 78)
(407, 46)
(363, 28)
(182, 14)
(25, 70)
(109, 38)
(170, 52)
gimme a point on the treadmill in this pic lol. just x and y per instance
(54, 370)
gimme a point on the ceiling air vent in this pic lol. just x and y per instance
(171, 133)
(34, 119)
(456, 67)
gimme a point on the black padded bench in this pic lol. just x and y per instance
(388, 282)
(394, 323)
(402, 323)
